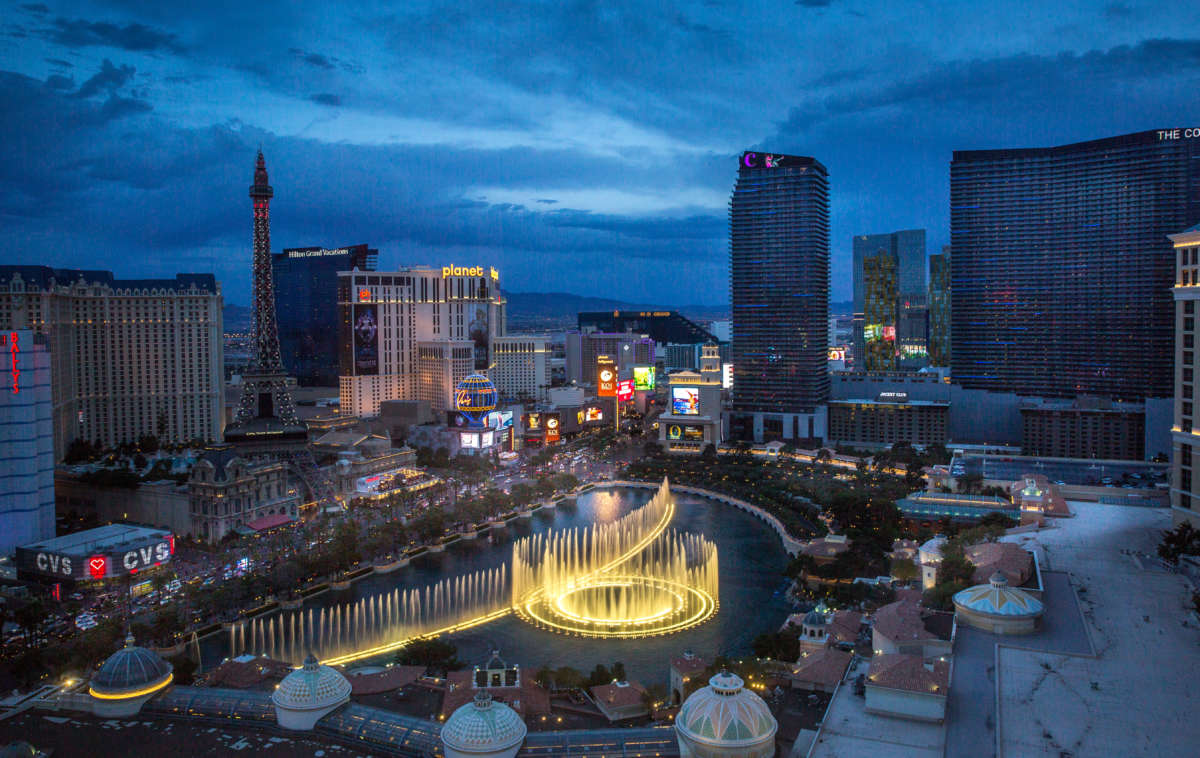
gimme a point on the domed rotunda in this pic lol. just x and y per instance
(308, 693)
(483, 728)
(724, 719)
(127, 679)
(997, 608)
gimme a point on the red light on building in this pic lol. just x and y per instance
(15, 349)
(364, 295)
(56, 592)
(97, 566)
(171, 539)
(625, 390)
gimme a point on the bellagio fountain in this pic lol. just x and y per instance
(633, 577)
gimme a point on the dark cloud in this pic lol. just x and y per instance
(35, 8)
(546, 200)
(109, 78)
(77, 33)
(59, 82)
(313, 59)
(59, 62)
(1118, 10)
(325, 98)
(814, 3)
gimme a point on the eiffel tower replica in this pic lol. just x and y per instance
(266, 417)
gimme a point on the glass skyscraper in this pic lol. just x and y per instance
(939, 308)
(1061, 269)
(779, 288)
(890, 318)
(306, 308)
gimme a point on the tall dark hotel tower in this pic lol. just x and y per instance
(779, 282)
(265, 413)
(1061, 269)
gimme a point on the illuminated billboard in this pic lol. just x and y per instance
(469, 439)
(643, 377)
(552, 434)
(366, 340)
(488, 439)
(499, 419)
(606, 376)
(726, 376)
(625, 390)
(685, 432)
(477, 330)
(593, 413)
(533, 421)
(685, 401)
(837, 353)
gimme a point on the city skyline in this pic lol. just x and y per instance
(459, 136)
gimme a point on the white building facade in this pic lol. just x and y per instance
(131, 358)
(1185, 434)
(521, 367)
(384, 316)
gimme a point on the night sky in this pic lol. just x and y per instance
(586, 147)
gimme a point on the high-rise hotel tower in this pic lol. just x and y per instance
(1061, 269)
(779, 288)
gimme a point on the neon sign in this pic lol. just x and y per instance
(15, 349)
(754, 160)
(97, 566)
(466, 271)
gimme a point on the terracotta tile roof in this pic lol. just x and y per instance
(618, 696)
(390, 679)
(844, 626)
(910, 673)
(243, 675)
(824, 666)
(901, 621)
(688, 666)
(909, 595)
(528, 699)
(269, 522)
(1009, 559)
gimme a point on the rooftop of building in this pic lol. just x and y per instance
(911, 673)
(1148, 138)
(45, 277)
(906, 621)
(824, 666)
(890, 403)
(1011, 560)
(109, 538)
(619, 694)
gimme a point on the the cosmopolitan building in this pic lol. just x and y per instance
(1185, 442)
(1061, 270)
(779, 287)
(628, 349)
(130, 357)
(306, 280)
(890, 324)
(939, 308)
(384, 316)
(26, 440)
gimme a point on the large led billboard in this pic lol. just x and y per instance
(477, 330)
(499, 419)
(685, 401)
(533, 421)
(488, 439)
(469, 439)
(366, 340)
(643, 377)
(625, 390)
(606, 376)
(592, 413)
(552, 422)
(726, 376)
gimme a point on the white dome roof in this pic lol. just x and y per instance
(724, 714)
(312, 687)
(996, 598)
(483, 726)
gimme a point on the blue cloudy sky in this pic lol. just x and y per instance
(577, 146)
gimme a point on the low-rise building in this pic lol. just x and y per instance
(693, 418)
(620, 700)
(1086, 427)
(889, 418)
(684, 669)
(227, 490)
(905, 627)
(908, 686)
(161, 503)
(820, 670)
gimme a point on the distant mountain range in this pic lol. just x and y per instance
(551, 310)
(560, 308)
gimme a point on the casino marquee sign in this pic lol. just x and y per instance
(71, 565)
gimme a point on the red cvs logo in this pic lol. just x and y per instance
(97, 566)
